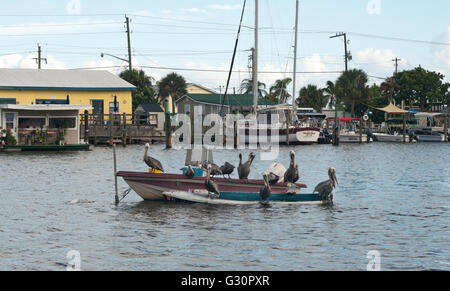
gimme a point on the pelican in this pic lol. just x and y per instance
(291, 175)
(325, 189)
(265, 191)
(152, 163)
(189, 173)
(215, 169)
(244, 169)
(210, 186)
(227, 169)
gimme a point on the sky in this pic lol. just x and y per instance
(196, 38)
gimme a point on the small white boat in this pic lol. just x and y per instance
(385, 137)
(351, 137)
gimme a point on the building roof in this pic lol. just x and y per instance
(147, 108)
(231, 100)
(78, 80)
(46, 107)
(191, 85)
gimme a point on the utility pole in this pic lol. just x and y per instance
(336, 129)
(347, 55)
(396, 60)
(295, 57)
(127, 21)
(39, 58)
(255, 61)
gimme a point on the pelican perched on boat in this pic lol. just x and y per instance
(292, 176)
(325, 189)
(152, 163)
(189, 173)
(210, 186)
(215, 169)
(227, 169)
(265, 191)
(244, 169)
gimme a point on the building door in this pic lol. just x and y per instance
(10, 122)
(98, 111)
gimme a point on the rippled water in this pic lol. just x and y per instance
(392, 198)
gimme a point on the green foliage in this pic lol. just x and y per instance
(247, 88)
(377, 99)
(173, 85)
(311, 96)
(10, 139)
(351, 89)
(421, 88)
(278, 92)
(145, 93)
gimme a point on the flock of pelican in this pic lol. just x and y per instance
(289, 176)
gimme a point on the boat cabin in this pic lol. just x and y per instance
(42, 124)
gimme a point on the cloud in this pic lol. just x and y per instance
(225, 7)
(441, 54)
(73, 7)
(20, 61)
(193, 10)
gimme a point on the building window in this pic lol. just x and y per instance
(62, 122)
(50, 101)
(111, 107)
(31, 122)
(153, 119)
(187, 108)
(8, 101)
(10, 120)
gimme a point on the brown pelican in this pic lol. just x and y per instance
(210, 186)
(291, 175)
(244, 169)
(215, 169)
(265, 191)
(227, 169)
(325, 189)
(151, 162)
(189, 173)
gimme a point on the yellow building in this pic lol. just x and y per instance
(198, 89)
(77, 87)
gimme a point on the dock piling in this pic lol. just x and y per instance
(115, 174)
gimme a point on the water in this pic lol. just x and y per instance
(392, 198)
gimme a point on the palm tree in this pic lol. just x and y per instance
(389, 86)
(247, 88)
(172, 85)
(351, 88)
(279, 90)
(330, 92)
(311, 96)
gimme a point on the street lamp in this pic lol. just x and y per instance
(127, 61)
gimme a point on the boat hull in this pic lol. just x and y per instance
(300, 135)
(351, 138)
(381, 137)
(243, 198)
(153, 186)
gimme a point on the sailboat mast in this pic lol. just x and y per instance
(295, 59)
(255, 61)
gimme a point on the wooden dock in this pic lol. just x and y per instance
(122, 129)
(40, 148)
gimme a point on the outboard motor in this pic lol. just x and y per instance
(413, 136)
(325, 136)
(370, 135)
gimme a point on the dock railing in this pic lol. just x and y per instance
(116, 128)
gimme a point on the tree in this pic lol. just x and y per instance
(311, 96)
(247, 88)
(330, 92)
(278, 91)
(145, 92)
(352, 89)
(421, 87)
(389, 87)
(173, 85)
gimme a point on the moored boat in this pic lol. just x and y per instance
(151, 186)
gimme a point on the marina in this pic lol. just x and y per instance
(173, 150)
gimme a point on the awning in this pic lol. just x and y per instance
(427, 115)
(392, 109)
